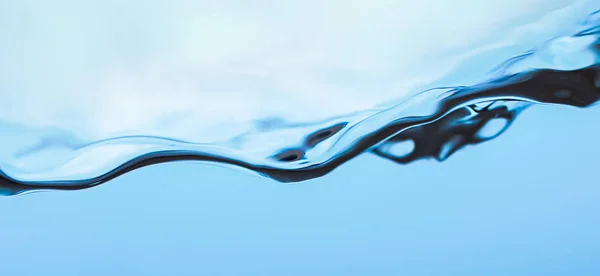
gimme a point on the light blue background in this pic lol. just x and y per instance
(524, 204)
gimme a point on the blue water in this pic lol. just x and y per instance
(436, 122)
(521, 204)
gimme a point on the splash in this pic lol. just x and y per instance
(435, 123)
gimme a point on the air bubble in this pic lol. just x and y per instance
(399, 149)
(492, 128)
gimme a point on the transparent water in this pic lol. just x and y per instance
(327, 92)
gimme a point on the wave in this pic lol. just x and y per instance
(432, 124)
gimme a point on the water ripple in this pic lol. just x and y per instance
(433, 124)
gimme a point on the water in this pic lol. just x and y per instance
(434, 123)
(462, 137)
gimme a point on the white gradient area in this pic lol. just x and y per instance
(204, 70)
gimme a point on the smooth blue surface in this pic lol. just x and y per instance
(524, 204)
